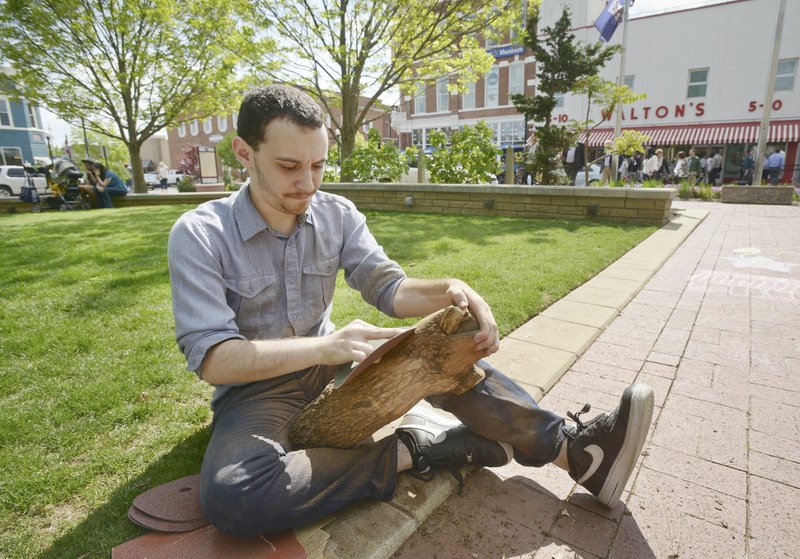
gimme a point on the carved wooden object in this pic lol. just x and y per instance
(437, 358)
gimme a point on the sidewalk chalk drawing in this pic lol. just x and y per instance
(751, 258)
(748, 284)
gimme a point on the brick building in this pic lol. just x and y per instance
(208, 132)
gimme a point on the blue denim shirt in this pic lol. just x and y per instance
(232, 276)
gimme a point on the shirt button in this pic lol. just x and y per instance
(250, 291)
(291, 280)
(294, 317)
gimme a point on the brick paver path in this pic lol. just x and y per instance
(716, 334)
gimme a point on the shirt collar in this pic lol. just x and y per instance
(250, 221)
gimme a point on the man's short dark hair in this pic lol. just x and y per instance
(264, 104)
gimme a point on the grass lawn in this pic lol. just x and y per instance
(95, 402)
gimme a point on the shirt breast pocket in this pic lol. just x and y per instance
(320, 277)
(253, 301)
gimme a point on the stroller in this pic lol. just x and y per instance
(64, 179)
(28, 192)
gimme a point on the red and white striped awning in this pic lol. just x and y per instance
(706, 134)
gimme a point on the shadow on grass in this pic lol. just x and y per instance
(108, 525)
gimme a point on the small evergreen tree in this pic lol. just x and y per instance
(471, 157)
(561, 60)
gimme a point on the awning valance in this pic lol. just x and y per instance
(706, 134)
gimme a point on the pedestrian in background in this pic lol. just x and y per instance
(162, 175)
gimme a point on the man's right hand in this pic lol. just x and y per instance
(351, 343)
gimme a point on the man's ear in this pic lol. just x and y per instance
(243, 152)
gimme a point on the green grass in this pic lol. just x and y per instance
(96, 405)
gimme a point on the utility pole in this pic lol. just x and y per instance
(770, 92)
(618, 119)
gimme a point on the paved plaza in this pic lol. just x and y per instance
(714, 331)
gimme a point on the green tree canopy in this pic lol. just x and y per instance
(377, 161)
(561, 61)
(141, 65)
(341, 50)
(470, 158)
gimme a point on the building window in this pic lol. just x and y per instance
(559, 97)
(417, 137)
(208, 125)
(468, 100)
(182, 130)
(491, 86)
(5, 113)
(222, 123)
(194, 127)
(512, 133)
(698, 82)
(32, 115)
(419, 100)
(516, 79)
(784, 76)
(628, 81)
(11, 156)
(442, 95)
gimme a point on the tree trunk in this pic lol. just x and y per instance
(139, 186)
(437, 358)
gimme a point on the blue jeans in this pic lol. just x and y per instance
(253, 482)
(104, 198)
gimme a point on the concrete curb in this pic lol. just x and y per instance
(553, 340)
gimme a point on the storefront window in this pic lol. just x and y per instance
(512, 132)
(698, 81)
(784, 76)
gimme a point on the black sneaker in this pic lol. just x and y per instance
(603, 451)
(435, 441)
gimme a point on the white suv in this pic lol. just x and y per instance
(12, 179)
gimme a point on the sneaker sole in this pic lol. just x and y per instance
(641, 415)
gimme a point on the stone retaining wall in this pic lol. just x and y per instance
(642, 205)
(781, 195)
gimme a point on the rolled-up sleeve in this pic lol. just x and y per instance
(367, 267)
(202, 317)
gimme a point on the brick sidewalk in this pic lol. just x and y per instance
(715, 333)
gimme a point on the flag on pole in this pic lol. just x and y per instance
(609, 18)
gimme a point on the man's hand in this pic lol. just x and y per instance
(351, 343)
(463, 296)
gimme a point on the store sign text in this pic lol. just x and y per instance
(662, 111)
(754, 105)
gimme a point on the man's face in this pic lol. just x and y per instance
(286, 169)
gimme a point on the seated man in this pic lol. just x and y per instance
(253, 277)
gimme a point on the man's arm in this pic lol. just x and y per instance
(235, 360)
(416, 297)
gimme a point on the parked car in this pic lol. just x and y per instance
(173, 178)
(595, 176)
(12, 179)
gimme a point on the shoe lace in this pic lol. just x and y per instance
(576, 416)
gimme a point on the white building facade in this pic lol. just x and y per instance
(705, 70)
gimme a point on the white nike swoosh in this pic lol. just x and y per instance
(597, 459)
